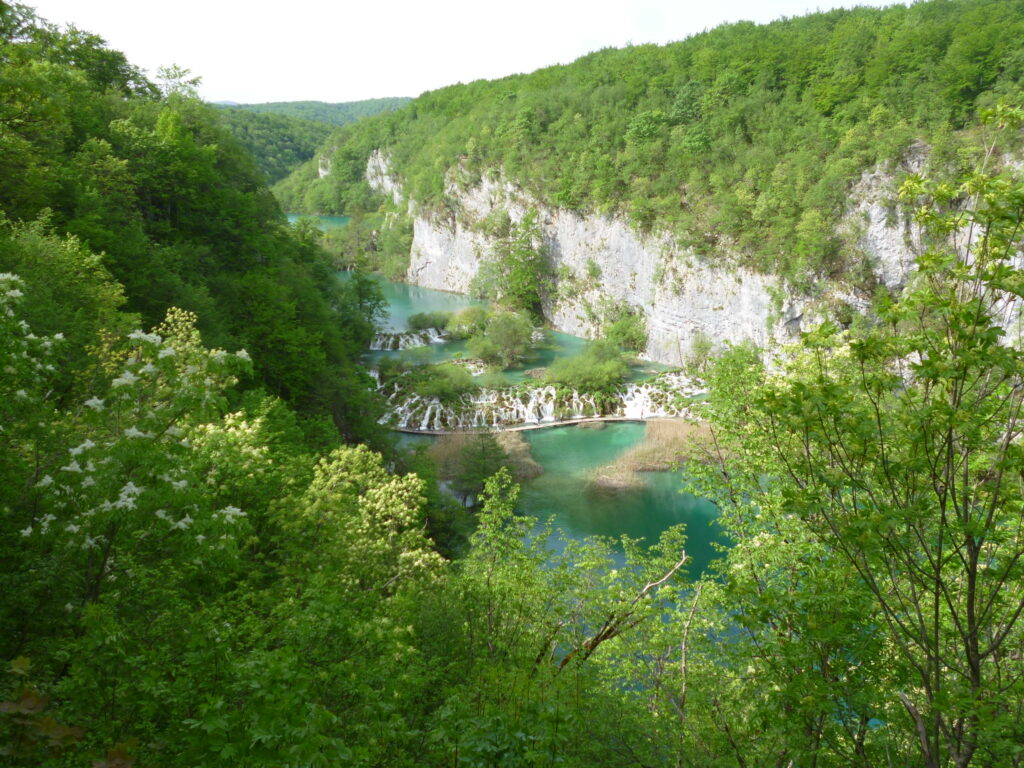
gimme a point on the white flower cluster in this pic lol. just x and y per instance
(139, 335)
(128, 496)
(229, 514)
(125, 379)
(84, 446)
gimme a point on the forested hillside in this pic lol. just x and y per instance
(180, 213)
(323, 112)
(742, 141)
(278, 143)
(283, 135)
(212, 556)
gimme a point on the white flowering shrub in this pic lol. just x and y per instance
(194, 572)
(110, 520)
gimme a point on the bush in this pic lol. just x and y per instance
(506, 340)
(421, 321)
(599, 369)
(446, 382)
(700, 353)
(469, 321)
(625, 326)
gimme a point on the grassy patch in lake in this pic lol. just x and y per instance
(665, 445)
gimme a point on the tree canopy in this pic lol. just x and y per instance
(741, 142)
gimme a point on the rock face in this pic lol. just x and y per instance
(597, 260)
(880, 228)
(379, 177)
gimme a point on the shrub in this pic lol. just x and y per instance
(700, 353)
(467, 322)
(625, 326)
(421, 321)
(599, 369)
(445, 382)
(505, 341)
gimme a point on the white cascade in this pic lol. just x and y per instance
(667, 396)
(385, 340)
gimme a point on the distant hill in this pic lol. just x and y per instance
(278, 143)
(322, 112)
(282, 135)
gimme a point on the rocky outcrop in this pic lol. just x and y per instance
(379, 177)
(600, 259)
(879, 227)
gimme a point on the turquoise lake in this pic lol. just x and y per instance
(570, 455)
(326, 222)
(403, 301)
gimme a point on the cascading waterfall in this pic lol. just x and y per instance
(667, 396)
(394, 341)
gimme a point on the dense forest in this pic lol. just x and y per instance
(283, 135)
(278, 143)
(322, 112)
(741, 142)
(212, 555)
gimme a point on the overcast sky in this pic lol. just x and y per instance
(337, 51)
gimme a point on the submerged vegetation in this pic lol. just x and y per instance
(205, 564)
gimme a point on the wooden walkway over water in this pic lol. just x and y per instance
(539, 425)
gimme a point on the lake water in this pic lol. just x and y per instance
(406, 300)
(326, 222)
(570, 455)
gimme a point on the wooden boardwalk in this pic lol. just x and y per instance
(541, 425)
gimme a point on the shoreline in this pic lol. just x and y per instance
(541, 425)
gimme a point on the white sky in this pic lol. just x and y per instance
(337, 51)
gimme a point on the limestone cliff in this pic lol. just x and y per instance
(598, 259)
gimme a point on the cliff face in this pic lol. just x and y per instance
(597, 259)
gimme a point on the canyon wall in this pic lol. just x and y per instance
(599, 259)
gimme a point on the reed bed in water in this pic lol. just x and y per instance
(666, 444)
(447, 452)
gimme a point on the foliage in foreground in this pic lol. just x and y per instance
(187, 582)
(237, 599)
(176, 211)
(888, 466)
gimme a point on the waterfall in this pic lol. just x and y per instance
(388, 341)
(667, 396)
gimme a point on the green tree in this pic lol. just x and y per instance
(896, 451)
(517, 273)
(599, 369)
(505, 341)
(478, 459)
